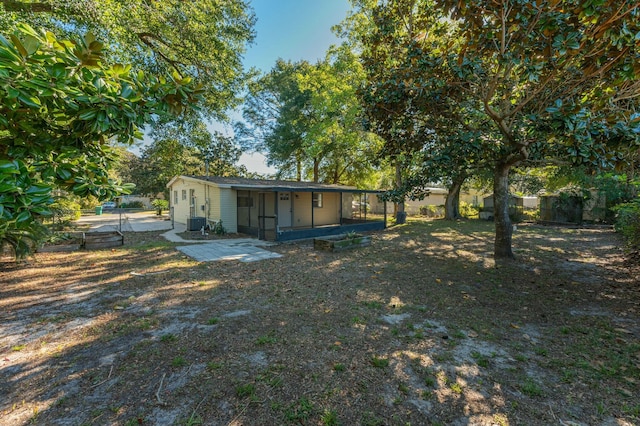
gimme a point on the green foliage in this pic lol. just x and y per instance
(628, 223)
(218, 228)
(530, 388)
(520, 84)
(65, 208)
(299, 411)
(59, 109)
(160, 205)
(246, 390)
(468, 210)
(351, 235)
(379, 362)
(178, 361)
(199, 39)
(615, 187)
(306, 118)
(183, 148)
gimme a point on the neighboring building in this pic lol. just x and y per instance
(571, 206)
(436, 197)
(271, 209)
(516, 206)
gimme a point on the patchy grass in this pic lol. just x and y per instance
(422, 327)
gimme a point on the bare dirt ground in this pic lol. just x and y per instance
(420, 328)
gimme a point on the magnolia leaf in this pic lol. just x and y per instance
(18, 45)
(31, 44)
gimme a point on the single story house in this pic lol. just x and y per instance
(274, 210)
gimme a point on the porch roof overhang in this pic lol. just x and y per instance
(265, 185)
(278, 188)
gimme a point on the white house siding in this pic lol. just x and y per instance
(328, 214)
(302, 209)
(228, 209)
(179, 205)
(211, 202)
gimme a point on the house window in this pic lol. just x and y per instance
(245, 199)
(175, 197)
(184, 194)
(317, 199)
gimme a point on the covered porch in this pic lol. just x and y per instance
(291, 213)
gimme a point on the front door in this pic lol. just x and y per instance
(284, 209)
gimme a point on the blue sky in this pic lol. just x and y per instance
(291, 30)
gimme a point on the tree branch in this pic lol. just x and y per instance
(146, 39)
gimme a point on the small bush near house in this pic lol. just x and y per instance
(218, 229)
(628, 223)
(530, 215)
(468, 210)
(160, 205)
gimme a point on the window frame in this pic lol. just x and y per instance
(317, 200)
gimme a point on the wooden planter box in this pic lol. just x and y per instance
(96, 240)
(341, 242)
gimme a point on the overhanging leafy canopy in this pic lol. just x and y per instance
(59, 108)
(202, 39)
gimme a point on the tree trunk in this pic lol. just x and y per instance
(452, 202)
(401, 215)
(504, 230)
(316, 170)
(298, 167)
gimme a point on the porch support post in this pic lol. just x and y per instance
(275, 213)
(365, 206)
(312, 219)
(340, 210)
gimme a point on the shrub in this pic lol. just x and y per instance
(628, 222)
(65, 209)
(468, 210)
(218, 229)
(160, 205)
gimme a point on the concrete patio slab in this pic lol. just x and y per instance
(227, 250)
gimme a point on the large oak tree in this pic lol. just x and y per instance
(306, 119)
(554, 78)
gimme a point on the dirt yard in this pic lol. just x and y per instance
(420, 328)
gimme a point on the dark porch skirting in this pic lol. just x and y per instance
(299, 234)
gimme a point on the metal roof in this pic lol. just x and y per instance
(239, 183)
